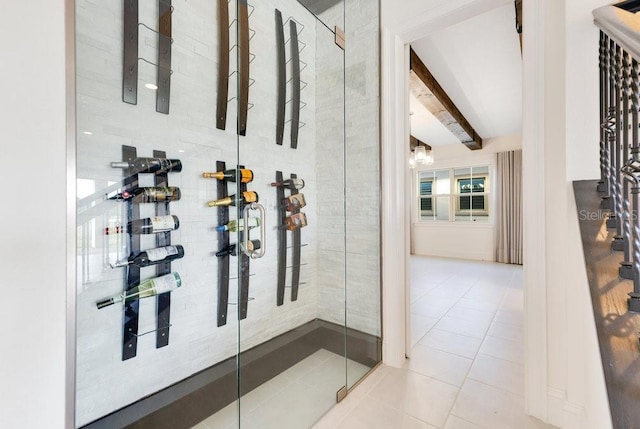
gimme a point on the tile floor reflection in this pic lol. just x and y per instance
(466, 366)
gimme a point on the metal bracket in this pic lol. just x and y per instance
(130, 56)
(282, 80)
(223, 64)
(282, 241)
(164, 56)
(223, 242)
(163, 309)
(295, 100)
(131, 309)
(340, 38)
(341, 394)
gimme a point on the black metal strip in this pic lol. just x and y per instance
(243, 262)
(131, 309)
(130, 56)
(163, 309)
(223, 243)
(297, 245)
(282, 79)
(164, 56)
(223, 64)
(295, 74)
(282, 240)
(243, 66)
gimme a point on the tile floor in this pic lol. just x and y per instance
(295, 399)
(466, 365)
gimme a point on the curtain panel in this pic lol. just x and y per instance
(509, 208)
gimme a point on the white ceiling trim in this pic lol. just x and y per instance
(417, 19)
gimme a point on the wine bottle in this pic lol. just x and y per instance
(153, 225)
(294, 202)
(247, 198)
(152, 257)
(155, 194)
(237, 225)
(150, 165)
(147, 288)
(246, 175)
(232, 248)
(290, 183)
(295, 221)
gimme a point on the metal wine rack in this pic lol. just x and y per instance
(282, 244)
(132, 275)
(131, 58)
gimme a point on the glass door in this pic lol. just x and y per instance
(228, 221)
(292, 337)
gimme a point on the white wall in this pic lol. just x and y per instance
(33, 250)
(564, 379)
(459, 239)
(576, 395)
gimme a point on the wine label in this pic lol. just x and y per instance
(294, 202)
(160, 253)
(296, 221)
(166, 283)
(162, 223)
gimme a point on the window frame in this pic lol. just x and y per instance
(455, 214)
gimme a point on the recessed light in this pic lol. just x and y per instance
(150, 86)
(89, 133)
(181, 150)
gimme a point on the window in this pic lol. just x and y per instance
(460, 194)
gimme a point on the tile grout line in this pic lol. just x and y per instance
(475, 356)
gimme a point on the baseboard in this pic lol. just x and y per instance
(561, 412)
(572, 416)
(555, 407)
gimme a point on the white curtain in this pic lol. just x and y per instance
(509, 215)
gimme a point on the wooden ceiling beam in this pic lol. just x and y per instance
(413, 142)
(518, 4)
(435, 99)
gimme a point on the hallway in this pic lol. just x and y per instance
(466, 368)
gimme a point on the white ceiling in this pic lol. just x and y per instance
(478, 63)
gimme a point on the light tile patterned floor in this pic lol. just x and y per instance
(295, 399)
(466, 365)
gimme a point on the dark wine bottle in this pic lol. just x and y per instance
(232, 248)
(295, 221)
(294, 202)
(246, 198)
(246, 175)
(154, 194)
(153, 225)
(237, 226)
(150, 165)
(152, 257)
(290, 183)
(147, 288)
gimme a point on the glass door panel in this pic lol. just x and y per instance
(292, 360)
(147, 87)
(362, 165)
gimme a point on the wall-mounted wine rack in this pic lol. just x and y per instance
(223, 242)
(283, 205)
(245, 58)
(131, 59)
(297, 84)
(241, 177)
(132, 275)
